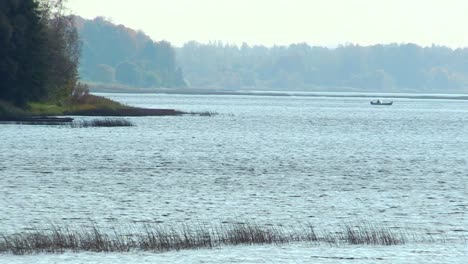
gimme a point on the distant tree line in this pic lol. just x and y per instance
(39, 51)
(117, 54)
(378, 68)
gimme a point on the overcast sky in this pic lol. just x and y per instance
(269, 22)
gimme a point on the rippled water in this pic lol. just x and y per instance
(268, 160)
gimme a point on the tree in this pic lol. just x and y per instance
(39, 51)
(165, 56)
(63, 49)
(150, 79)
(154, 63)
(390, 68)
(103, 73)
(128, 73)
(8, 66)
(23, 58)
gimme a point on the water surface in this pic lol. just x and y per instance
(269, 160)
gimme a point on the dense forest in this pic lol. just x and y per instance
(40, 47)
(378, 68)
(115, 54)
(39, 51)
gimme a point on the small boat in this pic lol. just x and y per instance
(378, 102)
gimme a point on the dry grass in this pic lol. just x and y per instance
(83, 105)
(105, 122)
(206, 113)
(372, 235)
(157, 238)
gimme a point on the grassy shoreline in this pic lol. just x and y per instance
(86, 105)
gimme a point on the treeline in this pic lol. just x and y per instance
(117, 54)
(39, 51)
(378, 68)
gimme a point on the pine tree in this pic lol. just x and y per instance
(39, 51)
(23, 60)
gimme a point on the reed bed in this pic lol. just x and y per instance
(204, 113)
(35, 123)
(105, 122)
(157, 238)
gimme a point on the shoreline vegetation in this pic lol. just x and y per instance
(116, 88)
(84, 105)
(158, 238)
(105, 122)
(39, 68)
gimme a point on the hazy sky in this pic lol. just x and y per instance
(269, 22)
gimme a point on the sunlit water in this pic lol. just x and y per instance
(268, 160)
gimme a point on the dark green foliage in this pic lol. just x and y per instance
(39, 51)
(138, 61)
(378, 68)
(8, 111)
(63, 50)
(23, 57)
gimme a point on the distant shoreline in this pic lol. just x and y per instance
(198, 91)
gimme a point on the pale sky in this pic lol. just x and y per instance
(282, 22)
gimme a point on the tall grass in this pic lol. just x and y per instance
(157, 238)
(205, 113)
(372, 235)
(50, 121)
(105, 122)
